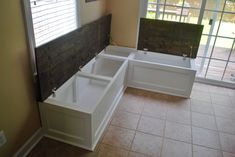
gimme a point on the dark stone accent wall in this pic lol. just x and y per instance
(61, 58)
(169, 37)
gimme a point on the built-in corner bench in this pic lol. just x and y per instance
(83, 79)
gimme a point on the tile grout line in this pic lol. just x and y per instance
(191, 127)
(135, 132)
(218, 135)
(163, 136)
(207, 147)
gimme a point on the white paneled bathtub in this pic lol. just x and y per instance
(161, 73)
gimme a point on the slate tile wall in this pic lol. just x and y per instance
(61, 58)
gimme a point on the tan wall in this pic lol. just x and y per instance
(19, 117)
(124, 22)
(92, 10)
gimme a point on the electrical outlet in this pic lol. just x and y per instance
(3, 139)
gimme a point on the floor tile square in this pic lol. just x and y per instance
(131, 104)
(227, 142)
(199, 151)
(151, 125)
(119, 137)
(178, 103)
(178, 132)
(205, 137)
(200, 87)
(155, 110)
(204, 121)
(218, 90)
(202, 107)
(125, 119)
(173, 148)
(225, 125)
(226, 154)
(179, 116)
(133, 154)
(224, 111)
(221, 100)
(135, 92)
(200, 95)
(231, 92)
(110, 151)
(147, 144)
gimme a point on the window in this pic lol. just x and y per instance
(47, 20)
(52, 19)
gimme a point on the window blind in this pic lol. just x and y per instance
(52, 19)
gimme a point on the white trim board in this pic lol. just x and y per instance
(215, 82)
(30, 144)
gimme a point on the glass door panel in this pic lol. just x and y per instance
(215, 5)
(227, 26)
(230, 72)
(222, 48)
(190, 15)
(193, 3)
(171, 13)
(232, 57)
(174, 2)
(151, 13)
(211, 21)
(229, 6)
(151, 10)
(201, 66)
(206, 46)
(215, 69)
(154, 7)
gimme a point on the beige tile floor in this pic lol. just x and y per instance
(151, 124)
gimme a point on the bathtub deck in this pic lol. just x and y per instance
(199, 126)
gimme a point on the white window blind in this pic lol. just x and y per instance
(52, 18)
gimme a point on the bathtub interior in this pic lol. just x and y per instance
(81, 92)
(163, 59)
(107, 67)
(118, 51)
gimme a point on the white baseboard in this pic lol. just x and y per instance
(30, 143)
(215, 82)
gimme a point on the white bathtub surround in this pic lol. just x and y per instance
(78, 112)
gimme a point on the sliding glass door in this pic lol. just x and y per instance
(216, 55)
(217, 43)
